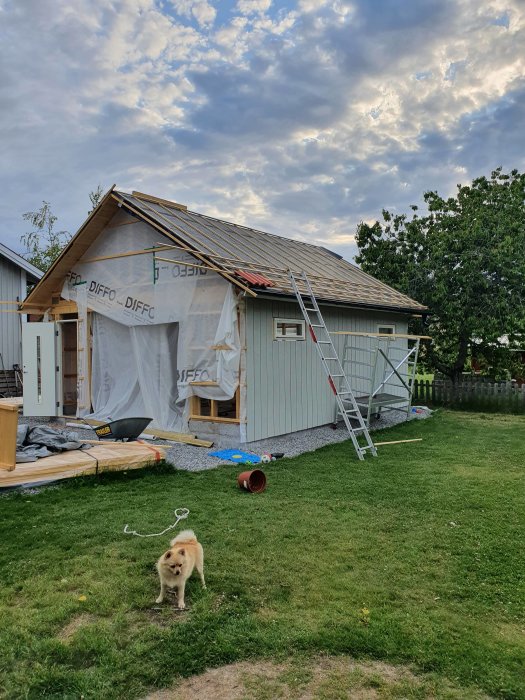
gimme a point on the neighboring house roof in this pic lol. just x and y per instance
(234, 251)
(34, 273)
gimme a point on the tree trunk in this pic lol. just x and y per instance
(454, 370)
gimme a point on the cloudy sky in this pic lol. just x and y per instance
(300, 117)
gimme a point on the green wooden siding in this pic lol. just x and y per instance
(10, 323)
(286, 388)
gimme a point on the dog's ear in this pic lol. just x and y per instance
(167, 555)
(182, 552)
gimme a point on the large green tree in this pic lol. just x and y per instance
(465, 259)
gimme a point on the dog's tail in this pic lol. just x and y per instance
(184, 536)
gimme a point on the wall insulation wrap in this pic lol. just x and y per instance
(157, 327)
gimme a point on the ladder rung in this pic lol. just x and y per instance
(325, 342)
(337, 375)
(307, 309)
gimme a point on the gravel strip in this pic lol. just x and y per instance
(196, 459)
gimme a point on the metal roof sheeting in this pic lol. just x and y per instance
(232, 247)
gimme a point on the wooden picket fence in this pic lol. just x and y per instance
(471, 393)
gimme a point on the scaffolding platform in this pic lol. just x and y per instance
(379, 401)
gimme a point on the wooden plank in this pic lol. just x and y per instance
(17, 401)
(396, 442)
(383, 335)
(186, 438)
(213, 419)
(187, 264)
(206, 383)
(178, 437)
(82, 463)
(129, 253)
(121, 444)
(158, 200)
(8, 426)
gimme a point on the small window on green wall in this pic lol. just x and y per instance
(386, 330)
(288, 329)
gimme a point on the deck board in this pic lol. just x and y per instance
(129, 455)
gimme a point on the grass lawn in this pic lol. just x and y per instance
(414, 558)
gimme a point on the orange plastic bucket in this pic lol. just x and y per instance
(253, 481)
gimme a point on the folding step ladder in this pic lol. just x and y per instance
(337, 378)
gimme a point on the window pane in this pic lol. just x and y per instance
(227, 409)
(205, 407)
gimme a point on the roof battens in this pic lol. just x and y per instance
(235, 263)
(187, 264)
(188, 249)
(158, 200)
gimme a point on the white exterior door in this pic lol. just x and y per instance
(41, 368)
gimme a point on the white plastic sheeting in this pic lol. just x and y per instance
(157, 327)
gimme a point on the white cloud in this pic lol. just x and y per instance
(301, 121)
(248, 7)
(201, 10)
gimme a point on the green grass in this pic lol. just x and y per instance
(428, 538)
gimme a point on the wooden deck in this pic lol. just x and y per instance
(103, 458)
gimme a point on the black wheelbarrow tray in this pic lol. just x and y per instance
(122, 429)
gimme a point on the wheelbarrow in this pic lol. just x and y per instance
(124, 429)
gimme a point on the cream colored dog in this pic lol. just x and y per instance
(176, 565)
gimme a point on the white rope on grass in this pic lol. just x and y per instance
(180, 514)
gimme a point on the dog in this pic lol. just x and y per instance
(176, 565)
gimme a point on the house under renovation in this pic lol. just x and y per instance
(154, 310)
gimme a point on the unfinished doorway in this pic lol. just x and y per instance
(69, 366)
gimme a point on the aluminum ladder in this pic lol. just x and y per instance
(332, 366)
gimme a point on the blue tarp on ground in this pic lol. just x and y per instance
(237, 456)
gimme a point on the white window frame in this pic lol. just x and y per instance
(293, 322)
(382, 326)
